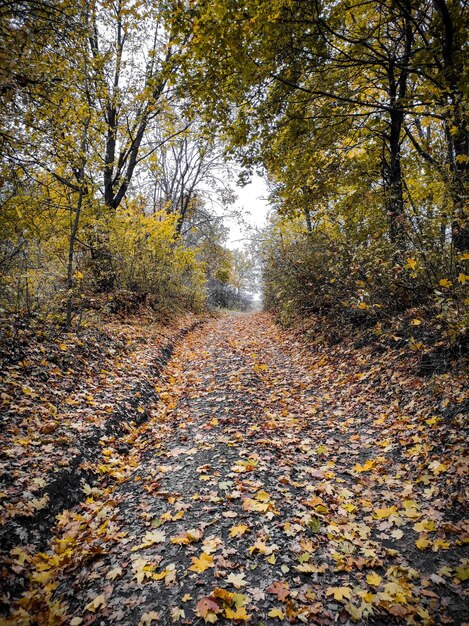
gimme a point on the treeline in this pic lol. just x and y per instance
(357, 112)
(111, 189)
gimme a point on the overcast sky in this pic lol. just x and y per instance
(254, 209)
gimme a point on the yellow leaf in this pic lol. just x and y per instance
(262, 548)
(374, 579)
(422, 543)
(63, 347)
(427, 525)
(462, 572)
(148, 618)
(201, 563)
(96, 603)
(416, 322)
(397, 533)
(339, 593)
(444, 282)
(385, 512)
(150, 538)
(177, 614)
(240, 613)
(463, 278)
(114, 573)
(411, 264)
(437, 468)
(237, 580)
(262, 496)
(224, 595)
(356, 613)
(365, 467)
(276, 613)
(308, 568)
(238, 531)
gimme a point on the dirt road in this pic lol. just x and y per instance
(272, 484)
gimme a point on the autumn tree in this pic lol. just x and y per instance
(356, 112)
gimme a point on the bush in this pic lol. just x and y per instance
(329, 272)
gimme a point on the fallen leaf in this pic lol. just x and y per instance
(98, 602)
(201, 563)
(237, 580)
(339, 593)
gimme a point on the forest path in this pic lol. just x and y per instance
(260, 496)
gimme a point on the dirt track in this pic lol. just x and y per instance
(268, 490)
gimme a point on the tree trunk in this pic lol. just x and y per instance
(309, 225)
(393, 180)
(457, 134)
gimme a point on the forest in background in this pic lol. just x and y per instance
(113, 193)
(358, 114)
(120, 121)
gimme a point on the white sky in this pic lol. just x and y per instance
(254, 207)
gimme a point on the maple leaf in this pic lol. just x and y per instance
(374, 579)
(211, 544)
(190, 536)
(142, 569)
(339, 593)
(437, 467)
(262, 496)
(177, 614)
(237, 580)
(98, 602)
(239, 613)
(114, 573)
(462, 572)
(385, 512)
(262, 548)
(254, 505)
(356, 613)
(39, 503)
(257, 593)
(201, 563)
(308, 568)
(397, 533)
(425, 525)
(279, 589)
(224, 595)
(276, 613)
(238, 531)
(314, 524)
(422, 542)
(366, 467)
(148, 618)
(207, 605)
(150, 538)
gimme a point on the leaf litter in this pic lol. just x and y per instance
(284, 482)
